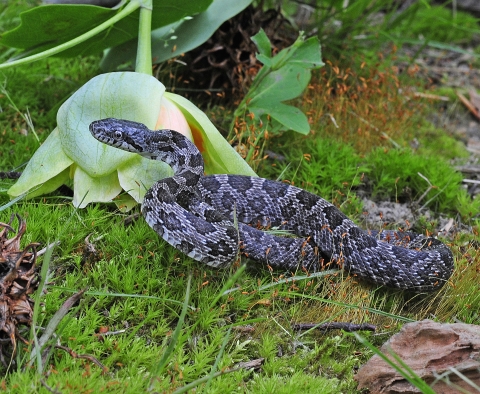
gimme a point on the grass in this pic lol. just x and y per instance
(165, 338)
(367, 26)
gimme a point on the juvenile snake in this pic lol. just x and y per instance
(196, 213)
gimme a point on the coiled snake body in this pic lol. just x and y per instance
(196, 214)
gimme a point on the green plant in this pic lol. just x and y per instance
(283, 77)
(182, 25)
(100, 172)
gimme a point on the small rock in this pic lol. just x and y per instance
(383, 213)
(429, 349)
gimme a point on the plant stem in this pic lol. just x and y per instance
(144, 48)
(129, 8)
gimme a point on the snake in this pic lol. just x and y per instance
(215, 219)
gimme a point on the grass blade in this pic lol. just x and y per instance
(173, 342)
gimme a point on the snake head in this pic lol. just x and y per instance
(119, 133)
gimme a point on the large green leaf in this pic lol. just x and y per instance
(189, 33)
(124, 95)
(88, 189)
(47, 26)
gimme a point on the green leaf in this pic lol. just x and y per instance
(308, 54)
(46, 168)
(124, 95)
(265, 60)
(263, 44)
(88, 189)
(138, 175)
(190, 33)
(290, 117)
(45, 27)
(219, 156)
(305, 53)
(283, 57)
(286, 83)
(283, 77)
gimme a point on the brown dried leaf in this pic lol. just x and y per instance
(18, 279)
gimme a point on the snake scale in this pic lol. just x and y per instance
(215, 218)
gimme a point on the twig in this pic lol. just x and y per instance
(131, 218)
(445, 229)
(430, 187)
(469, 105)
(245, 328)
(472, 169)
(104, 334)
(84, 356)
(349, 327)
(255, 364)
(53, 323)
(49, 246)
(431, 96)
(363, 120)
(471, 181)
(333, 121)
(51, 389)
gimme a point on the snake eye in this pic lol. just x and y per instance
(118, 134)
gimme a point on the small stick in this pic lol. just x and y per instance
(252, 364)
(349, 327)
(469, 105)
(431, 96)
(104, 334)
(51, 389)
(84, 356)
(471, 181)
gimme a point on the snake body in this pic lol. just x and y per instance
(215, 218)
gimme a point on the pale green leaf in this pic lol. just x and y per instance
(44, 168)
(138, 175)
(124, 95)
(125, 202)
(87, 189)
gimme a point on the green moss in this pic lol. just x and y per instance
(440, 23)
(425, 180)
